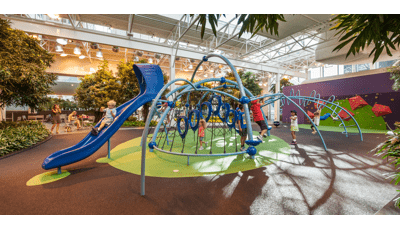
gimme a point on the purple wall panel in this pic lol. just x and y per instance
(349, 87)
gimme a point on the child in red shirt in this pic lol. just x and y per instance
(258, 117)
(202, 128)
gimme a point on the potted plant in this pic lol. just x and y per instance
(139, 53)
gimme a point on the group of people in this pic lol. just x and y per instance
(56, 112)
(294, 127)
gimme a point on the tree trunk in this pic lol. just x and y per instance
(97, 115)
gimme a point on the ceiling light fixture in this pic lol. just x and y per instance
(77, 50)
(150, 61)
(99, 54)
(62, 41)
(82, 57)
(54, 16)
(136, 59)
(190, 66)
(59, 49)
(201, 68)
(63, 54)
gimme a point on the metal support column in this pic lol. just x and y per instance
(277, 102)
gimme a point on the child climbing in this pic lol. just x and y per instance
(294, 127)
(109, 117)
(242, 127)
(317, 118)
(258, 117)
(202, 128)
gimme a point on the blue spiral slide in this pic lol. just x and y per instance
(151, 81)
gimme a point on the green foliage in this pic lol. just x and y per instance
(251, 23)
(132, 118)
(23, 80)
(381, 30)
(391, 149)
(129, 83)
(97, 89)
(283, 83)
(249, 81)
(366, 119)
(64, 104)
(15, 136)
(395, 76)
(138, 123)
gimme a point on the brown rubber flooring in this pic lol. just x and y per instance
(344, 180)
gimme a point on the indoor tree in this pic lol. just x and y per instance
(283, 83)
(97, 89)
(23, 80)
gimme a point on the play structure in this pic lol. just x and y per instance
(178, 116)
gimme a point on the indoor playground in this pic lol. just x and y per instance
(181, 131)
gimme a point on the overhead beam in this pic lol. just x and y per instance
(271, 44)
(72, 21)
(57, 30)
(130, 24)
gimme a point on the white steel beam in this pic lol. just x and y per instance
(88, 35)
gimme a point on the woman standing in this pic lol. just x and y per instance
(55, 112)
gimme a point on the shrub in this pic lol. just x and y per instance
(16, 136)
(132, 118)
(138, 123)
(391, 148)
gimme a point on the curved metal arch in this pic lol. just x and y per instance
(336, 105)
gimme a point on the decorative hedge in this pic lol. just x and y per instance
(16, 136)
(138, 123)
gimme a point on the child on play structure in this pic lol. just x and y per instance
(109, 117)
(202, 129)
(294, 127)
(317, 118)
(258, 117)
(242, 127)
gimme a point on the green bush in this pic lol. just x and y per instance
(16, 136)
(132, 118)
(391, 149)
(137, 123)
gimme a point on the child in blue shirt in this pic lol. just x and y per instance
(109, 116)
(242, 127)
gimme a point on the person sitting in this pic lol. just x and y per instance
(72, 117)
(109, 117)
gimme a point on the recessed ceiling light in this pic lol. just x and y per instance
(63, 54)
(77, 50)
(150, 61)
(82, 57)
(59, 49)
(62, 41)
(99, 54)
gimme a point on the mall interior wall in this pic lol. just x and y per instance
(374, 88)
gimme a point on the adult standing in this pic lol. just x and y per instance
(55, 112)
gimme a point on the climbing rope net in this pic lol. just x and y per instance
(178, 117)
